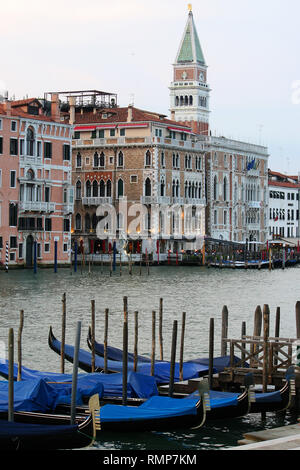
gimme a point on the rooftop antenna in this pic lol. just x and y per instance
(260, 128)
(131, 99)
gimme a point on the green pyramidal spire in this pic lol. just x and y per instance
(190, 49)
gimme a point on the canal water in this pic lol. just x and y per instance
(198, 291)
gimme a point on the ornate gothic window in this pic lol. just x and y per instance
(30, 141)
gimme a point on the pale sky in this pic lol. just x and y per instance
(128, 47)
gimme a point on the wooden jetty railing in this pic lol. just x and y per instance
(269, 357)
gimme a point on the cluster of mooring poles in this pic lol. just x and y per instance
(125, 342)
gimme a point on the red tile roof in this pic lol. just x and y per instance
(284, 184)
(283, 180)
(16, 103)
(121, 115)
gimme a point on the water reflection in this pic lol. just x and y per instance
(199, 292)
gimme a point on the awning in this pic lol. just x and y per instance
(133, 124)
(84, 128)
(180, 129)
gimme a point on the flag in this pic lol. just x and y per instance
(276, 218)
(251, 165)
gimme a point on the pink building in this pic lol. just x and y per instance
(36, 196)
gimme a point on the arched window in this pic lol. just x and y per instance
(147, 187)
(120, 159)
(102, 159)
(173, 188)
(199, 190)
(177, 188)
(186, 193)
(120, 188)
(148, 158)
(102, 188)
(78, 160)
(174, 160)
(95, 188)
(176, 101)
(87, 222)
(78, 222)
(225, 189)
(215, 188)
(78, 189)
(30, 141)
(191, 100)
(108, 188)
(186, 100)
(162, 187)
(30, 174)
(96, 160)
(181, 101)
(94, 221)
(88, 190)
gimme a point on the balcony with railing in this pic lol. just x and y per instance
(37, 206)
(155, 200)
(194, 201)
(96, 201)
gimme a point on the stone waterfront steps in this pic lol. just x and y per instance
(282, 438)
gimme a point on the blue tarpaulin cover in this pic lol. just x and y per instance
(218, 399)
(219, 363)
(115, 354)
(138, 385)
(154, 408)
(161, 371)
(34, 395)
(12, 429)
(274, 397)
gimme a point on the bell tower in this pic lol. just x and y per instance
(189, 90)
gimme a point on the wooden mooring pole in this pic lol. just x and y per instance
(93, 333)
(297, 319)
(153, 343)
(63, 334)
(105, 338)
(211, 353)
(173, 358)
(266, 324)
(182, 346)
(20, 345)
(224, 331)
(75, 373)
(136, 334)
(11, 375)
(256, 333)
(160, 329)
(125, 351)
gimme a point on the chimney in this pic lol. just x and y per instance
(129, 115)
(72, 109)
(173, 115)
(55, 112)
(7, 107)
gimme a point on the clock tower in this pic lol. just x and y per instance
(189, 90)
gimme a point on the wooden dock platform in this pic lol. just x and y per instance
(282, 438)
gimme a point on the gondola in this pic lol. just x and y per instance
(115, 354)
(88, 383)
(227, 405)
(161, 369)
(279, 400)
(155, 414)
(38, 431)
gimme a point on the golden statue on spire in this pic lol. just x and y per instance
(190, 6)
